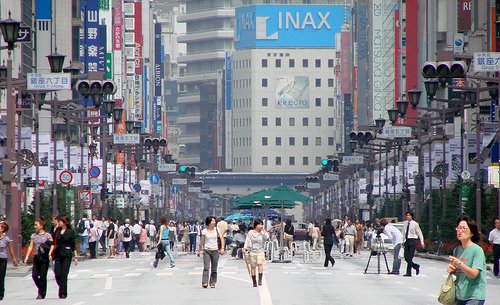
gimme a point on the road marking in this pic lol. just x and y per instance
(235, 278)
(198, 268)
(79, 303)
(98, 294)
(83, 270)
(113, 270)
(195, 273)
(433, 296)
(227, 272)
(351, 273)
(99, 275)
(398, 282)
(286, 267)
(132, 274)
(233, 268)
(414, 288)
(326, 273)
(73, 276)
(164, 273)
(265, 295)
(109, 283)
(142, 269)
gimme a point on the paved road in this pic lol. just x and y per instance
(134, 281)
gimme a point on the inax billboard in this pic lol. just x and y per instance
(283, 26)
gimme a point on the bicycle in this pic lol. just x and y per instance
(436, 247)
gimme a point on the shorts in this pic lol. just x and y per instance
(111, 242)
(257, 259)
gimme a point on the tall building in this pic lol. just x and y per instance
(285, 114)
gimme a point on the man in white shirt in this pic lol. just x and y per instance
(397, 239)
(411, 233)
(494, 238)
(125, 233)
(222, 228)
(152, 233)
(137, 236)
(83, 231)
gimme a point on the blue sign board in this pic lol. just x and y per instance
(229, 81)
(137, 187)
(91, 51)
(154, 178)
(309, 26)
(95, 172)
(175, 189)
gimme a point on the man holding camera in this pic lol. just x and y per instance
(412, 233)
(397, 240)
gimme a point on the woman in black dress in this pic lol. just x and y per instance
(330, 238)
(61, 252)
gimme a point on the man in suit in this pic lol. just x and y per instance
(411, 234)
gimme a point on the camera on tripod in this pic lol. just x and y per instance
(378, 229)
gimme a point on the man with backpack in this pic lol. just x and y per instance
(151, 228)
(126, 237)
(83, 231)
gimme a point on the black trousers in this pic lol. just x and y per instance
(3, 270)
(61, 270)
(410, 247)
(126, 248)
(92, 246)
(39, 274)
(102, 241)
(496, 255)
(328, 256)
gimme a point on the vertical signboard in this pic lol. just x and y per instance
(158, 77)
(348, 119)
(138, 37)
(101, 59)
(464, 15)
(362, 67)
(228, 118)
(378, 45)
(411, 48)
(220, 112)
(396, 55)
(89, 36)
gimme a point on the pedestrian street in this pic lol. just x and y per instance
(132, 281)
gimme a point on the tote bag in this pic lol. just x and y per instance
(447, 292)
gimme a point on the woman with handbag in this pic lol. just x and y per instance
(468, 263)
(163, 241)
(254, 246)
(330, 239)
(40, 243)
(289, 230)
(212, 243)
(5, 244)
(61, 252)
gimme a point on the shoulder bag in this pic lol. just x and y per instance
(447, 294)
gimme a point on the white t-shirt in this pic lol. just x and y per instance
(122, 229)
(494, 236)
(210, 239)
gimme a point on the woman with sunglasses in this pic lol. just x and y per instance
(468, 263)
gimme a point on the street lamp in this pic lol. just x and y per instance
(402, 106)
(393, 115)
(129, 126)
(56, 62)
(414, 97)
(431, 87)
(379, 124)
(10, 31)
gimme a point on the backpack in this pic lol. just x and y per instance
(126, 232)
(81, 226)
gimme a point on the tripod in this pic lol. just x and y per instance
(377, 249)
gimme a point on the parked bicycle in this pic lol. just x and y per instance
(436, 247)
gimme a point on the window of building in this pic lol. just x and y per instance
(305, 141)
(330, 141)
(318, 121)
(330, 63)
(317, 63)
(264, 141)
(291, 141)
(264, 82)
(278, 121)
(291, 121)
(318, 160)
(330, 102)
(330, 82)
(318, 141)
(330, 121)
(305, 63)
(305, 121)
(317, 82)
(291, 63)
(264, 63)
(305, 160)
(265, 102)
(318, 102)
(278, 160)
(264, 121)
(278, 141)
(264, 161)
(278, 63)
(291, 160)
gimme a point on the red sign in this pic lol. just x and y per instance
(464, 15)
(41, 183)
(171, 203)
(138, 38)
(66, 177)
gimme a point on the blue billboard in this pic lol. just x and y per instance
(284, 26)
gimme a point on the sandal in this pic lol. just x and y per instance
(212, 286)
(204, 285)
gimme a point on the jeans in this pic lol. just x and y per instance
(126, 247)
(210, 260)
(84, 244)
(61, 269)
(3, 270)
(328, 256)
(192, 242)
(39, 275)
(410, 247)
(102, 241)
(92, 248)
(166, 247)
(470, 302)
(496, 255)
(396, 264)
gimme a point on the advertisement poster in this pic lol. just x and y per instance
(292, 92)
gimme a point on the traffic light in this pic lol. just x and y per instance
(196, 183)
(312, 179)
(444, 69)
(104, 193)
(300, 188)
(8, 170)
(155, 143)
(96, 89)
(187, 171)
(429, 69)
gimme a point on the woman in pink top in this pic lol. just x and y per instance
(143, 239)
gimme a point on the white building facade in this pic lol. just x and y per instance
(285, 117)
